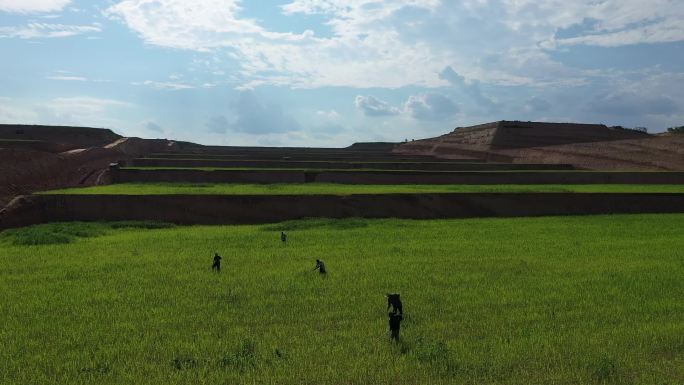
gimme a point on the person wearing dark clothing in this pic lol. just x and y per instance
(217, 263)
(283, 236)
(394, 301)
(320, 266)
(394, 325)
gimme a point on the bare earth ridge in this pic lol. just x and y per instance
(592, 147)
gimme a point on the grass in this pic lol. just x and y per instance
(346, 189)
(572, 300)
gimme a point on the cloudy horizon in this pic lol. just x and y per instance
(334, 72)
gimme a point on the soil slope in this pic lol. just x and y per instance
(592, 147)
(26, 170)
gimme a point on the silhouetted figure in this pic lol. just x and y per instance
(394, 325)
(394, 301)
(283, 237)
(217, 263)
(320, 266)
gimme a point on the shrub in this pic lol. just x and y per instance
(676, 130)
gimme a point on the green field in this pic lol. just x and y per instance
(564, 300)
(346, 189)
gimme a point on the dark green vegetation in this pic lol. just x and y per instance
(676, 130)
(576, 300)
(346, 189)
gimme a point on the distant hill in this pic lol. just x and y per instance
(65, 136)
(587, 146)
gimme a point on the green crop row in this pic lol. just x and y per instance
(346, 189)
(575, 300)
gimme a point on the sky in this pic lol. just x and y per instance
(334, 72)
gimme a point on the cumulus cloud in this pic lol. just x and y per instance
(397, 43)
(372, 106)
(614, 22)
(43, 30)
(32, 6)
(362, 52)
(430, 106)
(471, 89)
(423, 106)
(257, 117)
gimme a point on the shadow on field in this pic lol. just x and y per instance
(63, 233)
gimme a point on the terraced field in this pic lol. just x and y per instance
(348, 189)
(128, 296)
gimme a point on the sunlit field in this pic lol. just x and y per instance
(346, 189)
(487, 301)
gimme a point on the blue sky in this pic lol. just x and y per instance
(332, 72)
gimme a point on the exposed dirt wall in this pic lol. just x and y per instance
(76, 136)
(428, 166)
(647, 153)
(393, 177)
(227, 209)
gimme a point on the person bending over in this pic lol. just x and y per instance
(320, 266)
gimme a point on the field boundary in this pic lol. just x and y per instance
(249, 209)
(357, 164)
(126, 175)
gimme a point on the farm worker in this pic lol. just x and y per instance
(394, 301)
(217, 263)
(283, 236)
(395, 324)
(320, 266)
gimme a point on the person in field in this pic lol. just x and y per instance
(320, 266)
(217, 263)
(283, 237)
(394, 325)
(394, 301)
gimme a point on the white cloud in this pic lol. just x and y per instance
(430, 106)
(80, 110)
(43, 30)
(329, 115)
(32, 6)
(665, 31)
(83, 105)
(362, 52)
(67, 78)
(616, 22)
(396, 43)
(372, 106)
(169, 86)
(424, 106)
(11, 112)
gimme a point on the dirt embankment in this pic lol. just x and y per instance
(65, 137)
(621, 151)
(392, 177)
(237, 209)
(23, 171)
